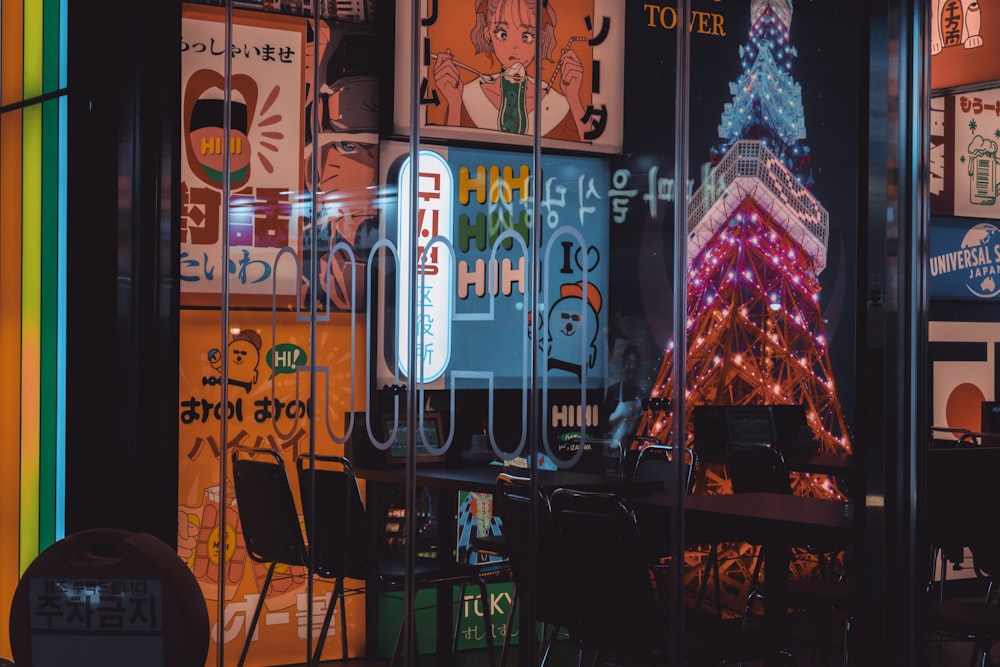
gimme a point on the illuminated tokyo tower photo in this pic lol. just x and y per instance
(757, 242)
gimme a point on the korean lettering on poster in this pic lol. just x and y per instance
(485, 322)
(264, 155)
(268, 406)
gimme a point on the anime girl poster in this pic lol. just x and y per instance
(479, 71)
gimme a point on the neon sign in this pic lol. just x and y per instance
(434, 267)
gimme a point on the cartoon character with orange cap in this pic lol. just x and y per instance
(574, 314)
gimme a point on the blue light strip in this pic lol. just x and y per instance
(60, 444)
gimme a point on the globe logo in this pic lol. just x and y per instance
(983, 240)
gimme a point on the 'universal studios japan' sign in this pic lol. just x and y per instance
(965, 260)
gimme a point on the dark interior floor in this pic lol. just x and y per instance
(937, 651)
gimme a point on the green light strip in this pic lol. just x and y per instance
(50, 45)
(49, 314)
(49, 491)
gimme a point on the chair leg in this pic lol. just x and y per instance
(458, 618)
(338, 595)
(487, 624)
(755, 576)
(484, 595)
(718, 584)
(343, 622)
(933, 566)
(547, 643)
(509, 626)
(256, 614)
(847, 640)
(711, 563)
(944, 573)
(397, 651)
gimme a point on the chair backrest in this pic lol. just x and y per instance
(603, 578)
(655, 463)
(529, 562)
(334, 513)
(757, 467)
(939, 439)
(634, 444)
(601, 455)
(963, 505)
(268, 515)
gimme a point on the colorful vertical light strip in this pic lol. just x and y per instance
(11, 38)
(32, 285)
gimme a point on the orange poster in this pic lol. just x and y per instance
(478, 72)
(268, 406)
(965, 43)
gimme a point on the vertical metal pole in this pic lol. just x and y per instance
(315, 203)
(410, 501)
(679, 403)
(227, 96)
(535, 414)
(906, 377)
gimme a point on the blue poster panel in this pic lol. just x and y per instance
(476, 313)
(964, 259)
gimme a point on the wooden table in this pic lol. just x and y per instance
(774, 520)
(478, 477)
(482, 478)
(825, 463)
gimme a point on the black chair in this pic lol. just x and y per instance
(610, 600)
(529, 556)
(761, 468)
(653, 461)
(976, 620)
(494, 546)
(947, 554)
(963, 508)
(615, 603)
(338, 531)
(757, 468)
(269, 519)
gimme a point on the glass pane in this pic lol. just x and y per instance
(274, 305)
(500, 293)
(770, 224)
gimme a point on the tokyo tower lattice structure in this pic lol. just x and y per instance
(757, 242)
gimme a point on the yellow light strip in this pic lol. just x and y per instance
(34, 23)
(31, 315)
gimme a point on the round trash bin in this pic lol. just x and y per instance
(109, 598)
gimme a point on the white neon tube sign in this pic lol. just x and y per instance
(435, 266)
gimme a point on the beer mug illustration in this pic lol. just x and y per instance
(983, 171)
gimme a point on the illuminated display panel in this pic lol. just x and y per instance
(487, 267)
(964, 43)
